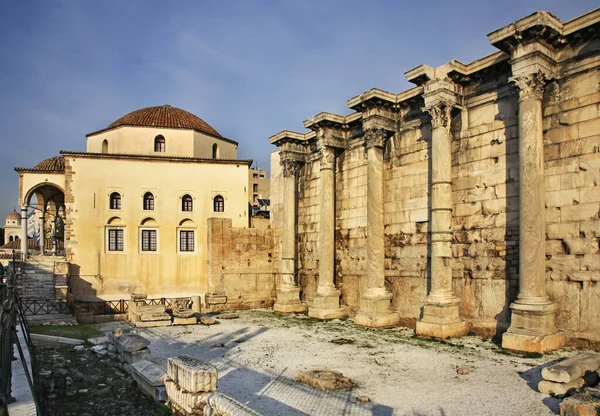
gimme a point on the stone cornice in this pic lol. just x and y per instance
(184, 159)
(420, 74)
(582, 22)
(371, 99)
(539, 26)
(464, 74)
(287, 136)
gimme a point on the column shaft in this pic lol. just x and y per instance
(375, 229)
(441, 213)
(42, 234)
(327, 227)
(532, 221)
(24, 247)
(288, 246)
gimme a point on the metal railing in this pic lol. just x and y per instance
(11, 316)
(45, 306)
(110, 307)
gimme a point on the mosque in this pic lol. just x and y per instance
(135, 204)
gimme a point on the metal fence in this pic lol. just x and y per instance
(12, 316)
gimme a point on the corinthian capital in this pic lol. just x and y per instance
(291, 167)
(327, 157)
(375, 137)
(440, 114)
(530, 86)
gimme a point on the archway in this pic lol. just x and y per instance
(43, 221)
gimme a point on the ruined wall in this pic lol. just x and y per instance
(571, 146)
(240, 265)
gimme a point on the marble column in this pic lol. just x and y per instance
(288, 294)
(533, 320)
(326, 304)
(374, 306)
(24, 248)
(42, 233)
(441, 317)
(54, 236)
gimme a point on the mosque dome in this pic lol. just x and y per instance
(53, 164)
(165, 116)
(13, 216)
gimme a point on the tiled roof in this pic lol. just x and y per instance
(31, 244)
(54, 164)
(165, 116)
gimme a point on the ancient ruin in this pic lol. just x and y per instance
(469, 202)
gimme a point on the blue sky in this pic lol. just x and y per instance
(250, 68)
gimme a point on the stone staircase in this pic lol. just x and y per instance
(43, 286)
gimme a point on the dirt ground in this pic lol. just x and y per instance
(260, 354)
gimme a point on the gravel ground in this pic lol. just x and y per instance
(260, 354)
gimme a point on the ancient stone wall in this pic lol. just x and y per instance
(572, 162)
(479, 109)
(240, 265)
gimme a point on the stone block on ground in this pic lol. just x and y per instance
(584, 403)
(207, 320)
(221, 405)
(572, 368)
(326, 380)
(135, 356)
(183, 401)
(98, 340)
(150, 309)
(150, 379)
(151, 317)
(112, 336)
(559, 389)
(183, 313)
(131, 342)
(191, 374)
(185, 321)
(152, 324)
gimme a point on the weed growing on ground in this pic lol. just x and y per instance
(75, 331)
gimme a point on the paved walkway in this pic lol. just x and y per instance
(24, 404)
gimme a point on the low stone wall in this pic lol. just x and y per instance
(240, 266)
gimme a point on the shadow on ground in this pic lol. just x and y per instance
(267, 392)
(533, 378)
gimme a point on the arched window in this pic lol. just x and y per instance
(187, 204)
(16, 237)
(215, 151)
(219, 204)
(105, 146)
(159, 144)
(148, 201)
(115, 200)
(10, 238)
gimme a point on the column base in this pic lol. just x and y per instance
(327, 306)
(288, 301)
(441, 320)
(533, 329)
(375, 311)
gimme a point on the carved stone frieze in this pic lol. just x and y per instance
(291, 167)
(440, 114)
(530, 86)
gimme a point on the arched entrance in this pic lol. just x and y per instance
(43, 220)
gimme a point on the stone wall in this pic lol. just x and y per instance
(240, 265)
(483, 111)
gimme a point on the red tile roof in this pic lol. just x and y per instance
(165, 116)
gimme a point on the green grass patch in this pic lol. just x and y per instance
(75, 331)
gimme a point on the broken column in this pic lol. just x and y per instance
(440, 318)
(529, 42)
(292, 159)
(374, 309)
(326, 304)
(132, 348)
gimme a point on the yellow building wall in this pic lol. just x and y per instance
(203, 145)
(30, 180)
(140, 141)
(178, 142)
(95, 272)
